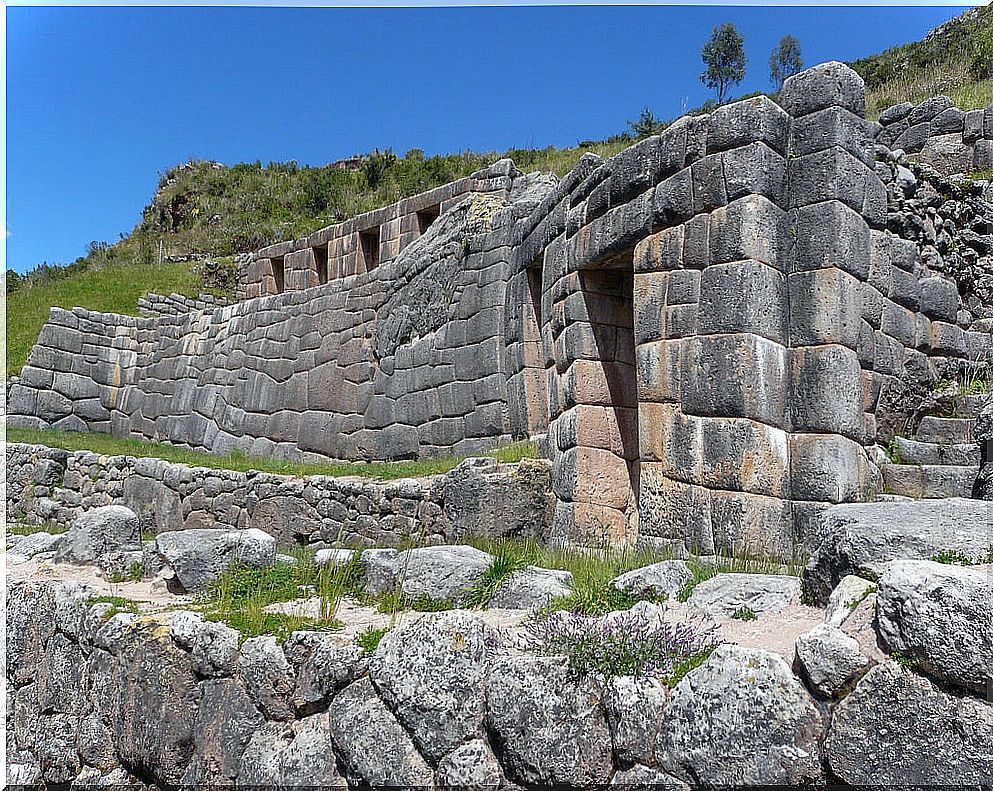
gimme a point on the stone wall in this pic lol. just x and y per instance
(167, 700)
(175, 304)
(705, 326)
(939, 134)
(364, 242)
(480, 497)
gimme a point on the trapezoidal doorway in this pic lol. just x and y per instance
(607, 404)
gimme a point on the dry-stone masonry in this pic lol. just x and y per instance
(940, 134)
(167, 699)
(706, 329)
(46, 485)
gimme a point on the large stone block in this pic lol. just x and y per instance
(832, 126)
(831, 234)
(755, 169)
(825, 306)
(758, 119)
(826, 468)
(830, 84)
(752, 525)
(752, 227)
(744, 296)
(832, 174)
(659, 366)
(673, 514)
(735, 376)
(826, 391)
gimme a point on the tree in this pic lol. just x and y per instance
(724, 57)
(646, 124)
(785, 61)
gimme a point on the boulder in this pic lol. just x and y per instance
(741, 718)
(323, 665)
(531, 587)
(442, 573)
(846, 597)
(333, 557)
(897, 729)
(225, 722)
(549, 726)
(471, 765)
(268, 676)
(26, 547)
(199, 556)
(723, 595)
(429, 671)
(858, 538)
(657, 581)
(109, 528)
(634, 707)
(829, 660)
(372, 745)
(288, 756)
(940, 616)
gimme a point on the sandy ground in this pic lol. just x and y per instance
(775, 632)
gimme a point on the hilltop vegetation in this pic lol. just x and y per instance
(955, 59)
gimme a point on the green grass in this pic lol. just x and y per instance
(126, 446)
(113, 290)
(679, 672)
(745, 614)
(368, 640)
(118, 604)
(134, 574)
(27, 530)
(241, 594)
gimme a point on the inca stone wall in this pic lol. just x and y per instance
(479, 498)
(169, 700)
(705, 326)
(938, 133)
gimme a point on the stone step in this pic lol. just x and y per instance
(945, 430)
(910, 451)
(970, 405)
(928, 481)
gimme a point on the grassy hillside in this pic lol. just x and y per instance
(955, 59)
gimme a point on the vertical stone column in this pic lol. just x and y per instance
(832, 189)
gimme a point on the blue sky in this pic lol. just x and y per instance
(102, 100)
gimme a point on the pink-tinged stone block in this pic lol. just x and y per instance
(752, 525)
(659, 367)
(603, 478)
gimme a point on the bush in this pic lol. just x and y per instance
(630, 643)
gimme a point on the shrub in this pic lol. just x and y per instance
(621, 644)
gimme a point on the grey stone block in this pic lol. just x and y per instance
(905, 289)
(825, 306)
(830, 84)
(755, 168)
(833, 126)
(744, 296)
(831, 234)
(758, 119)
(939, 299)
(833, 174)
(972, 126)
(929, 109)
(826, 391)
(949, 120)
(735, 376)
(753, 228)
(709, 191)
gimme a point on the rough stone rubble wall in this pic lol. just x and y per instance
(769, 309)
(938, 133)
(404, 361)
(174, 304)
(480, 497)
(169, 700)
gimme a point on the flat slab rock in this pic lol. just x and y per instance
(858, 538)
(723, 595)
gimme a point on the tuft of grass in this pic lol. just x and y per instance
(392, 602)
(745, 613)
(507, 558)
(241, 594)
(118, 604)
(954, 557)
(514, 452)
(904, 661)
(126, 446)
(690, 663)
(368, 640)
(701, 572)
(20, 529)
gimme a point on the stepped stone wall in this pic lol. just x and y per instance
(479, 497)
(175, 304)
(939, 134)
(708, 328)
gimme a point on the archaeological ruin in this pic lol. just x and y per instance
(711, 333)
